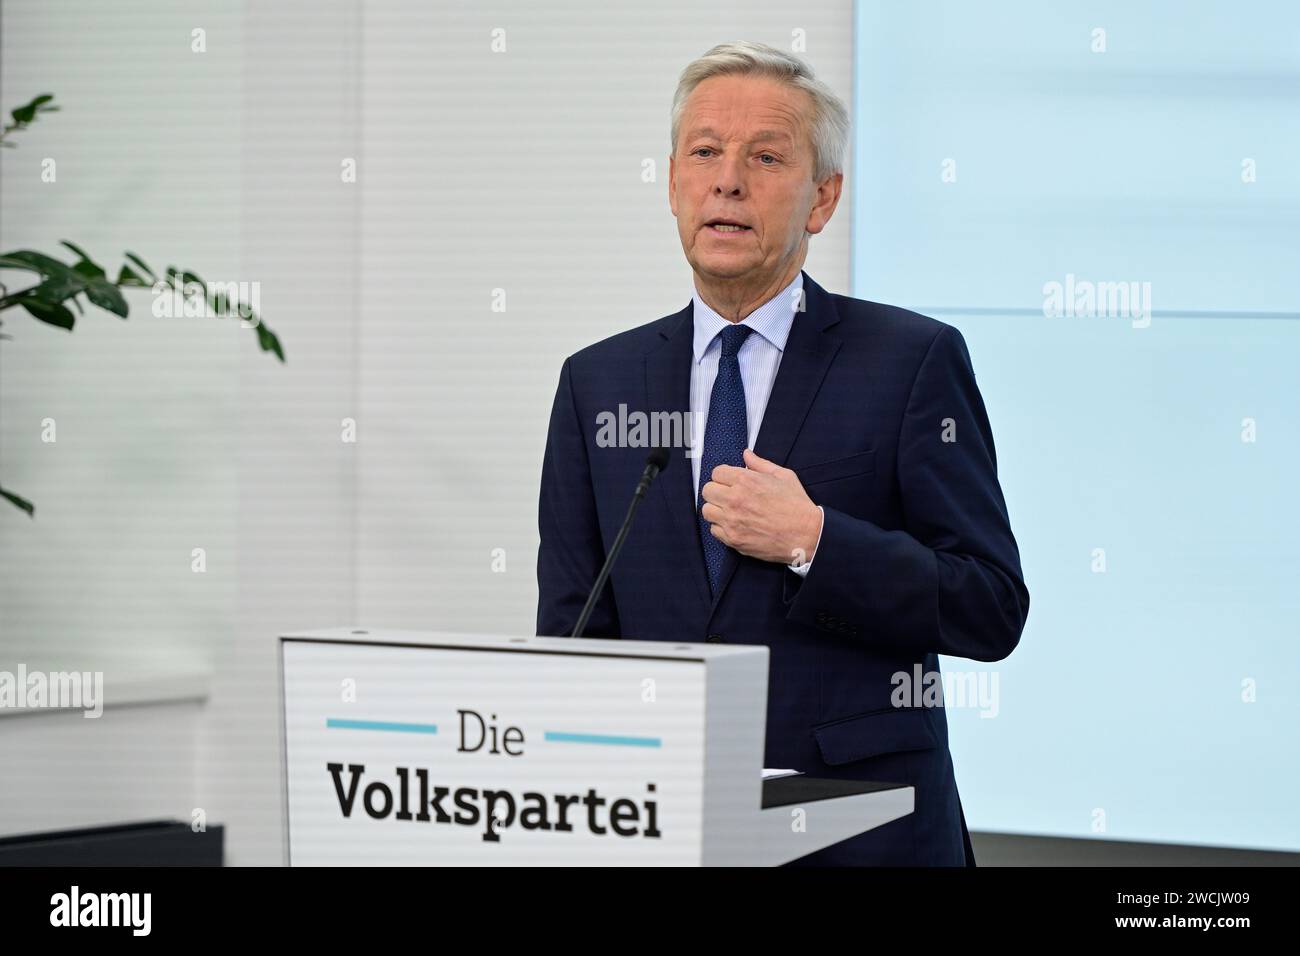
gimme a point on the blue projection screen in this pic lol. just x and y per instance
(1105, 200)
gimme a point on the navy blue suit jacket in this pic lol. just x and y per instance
(916, 556)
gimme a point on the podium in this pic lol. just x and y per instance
(425, 748)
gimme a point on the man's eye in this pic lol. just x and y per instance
(698, 148)
(769, 156)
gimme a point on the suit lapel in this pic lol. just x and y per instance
(668, 388)
(808, 354)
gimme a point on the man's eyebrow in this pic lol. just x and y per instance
(761, 136)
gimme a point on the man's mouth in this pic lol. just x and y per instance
(726, 226)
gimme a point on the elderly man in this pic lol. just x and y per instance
(842, 506)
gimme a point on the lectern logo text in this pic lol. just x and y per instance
(493, 810)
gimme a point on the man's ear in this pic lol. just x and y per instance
(828, 197)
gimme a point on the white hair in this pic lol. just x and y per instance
(829, 123)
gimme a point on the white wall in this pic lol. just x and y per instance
(175, 434)
(145, 153)
(477, 171)
(297, 478)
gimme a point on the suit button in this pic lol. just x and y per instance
(714, 638)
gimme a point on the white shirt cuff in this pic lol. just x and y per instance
(802, 569)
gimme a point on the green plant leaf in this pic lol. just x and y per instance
(26, 113)
(269, 341)
(22, 503)
(59, 287)
(126, 276)
(185, 277)
(78, 250)
(106, 295)
(99, 290)
(53, 313)
(34, 262)
(59, 281)
(144, 268)
(90, 270)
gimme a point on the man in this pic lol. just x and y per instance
(843, 505)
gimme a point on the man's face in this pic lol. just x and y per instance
(744, 155)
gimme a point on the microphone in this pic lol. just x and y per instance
(655, 462)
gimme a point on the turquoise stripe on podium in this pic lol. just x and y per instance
(340, 723)
(567, 738)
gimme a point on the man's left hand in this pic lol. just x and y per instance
(762, 511)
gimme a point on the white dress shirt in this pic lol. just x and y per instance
(759, 358)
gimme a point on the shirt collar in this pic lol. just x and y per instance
(772, 319)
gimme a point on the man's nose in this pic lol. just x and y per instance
(731, 178)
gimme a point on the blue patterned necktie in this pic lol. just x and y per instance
(725, 437)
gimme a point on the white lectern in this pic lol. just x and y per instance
(423, 748)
